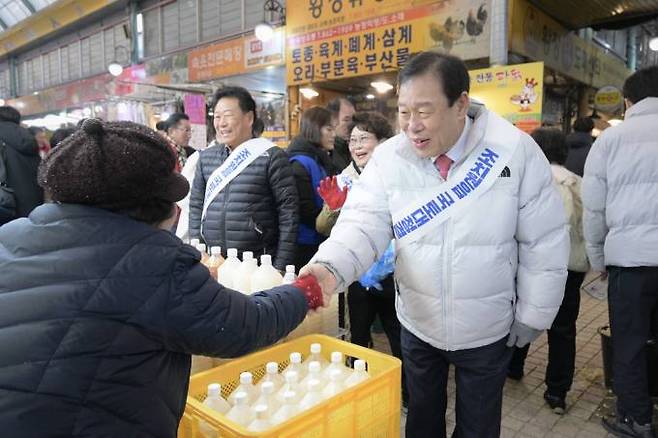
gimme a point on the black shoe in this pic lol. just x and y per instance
(627, 428)
(556, 403)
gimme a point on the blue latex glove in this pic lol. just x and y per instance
(380, 270)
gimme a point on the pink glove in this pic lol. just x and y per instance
(332, 195)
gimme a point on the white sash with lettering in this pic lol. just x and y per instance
(237, 161)
(475, 176)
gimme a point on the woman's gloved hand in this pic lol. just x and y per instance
(332, 195)
(309, 286)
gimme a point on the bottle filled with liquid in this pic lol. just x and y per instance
(290, 276)
(242, 279)
(266, 276)
(358, 375)
(215, 261)
(229, 269)
(246, 386)
(241, 413)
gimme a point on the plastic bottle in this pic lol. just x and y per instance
(272, 375)
(242, 279)
(313, 395)
(194, 242)
(201, 247)
(214, 399)
(290, 276)
(288, 410)
(314, 373)
(296, 365)
(337, 364)
(266, 276)
(267, 397)
(291, 385)
(335, 384)
(316, 356)
(240, 412)
(215, 260)
(358, 375)
(227, 272)
(246, 386)
(261, 423)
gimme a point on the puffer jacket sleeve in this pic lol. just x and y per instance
(363, 230)
(595, 191)
(197, 193)
(543, 242)
(203, 317)
(284, 191)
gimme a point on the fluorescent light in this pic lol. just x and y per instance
(139, 19)
(115, 68)
(381, 86)
(308, 92)
(653, 44)
(264, 31)
(370, 96)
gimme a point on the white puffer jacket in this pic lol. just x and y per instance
(458, 288)
(620, 191)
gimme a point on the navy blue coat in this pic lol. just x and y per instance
(98, 317)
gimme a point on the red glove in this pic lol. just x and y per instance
(309, 286)
(332, 195)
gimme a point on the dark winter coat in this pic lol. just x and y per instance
(340, 156)
(579, 144)
(22, 161)
(98, 317)
(257, 211)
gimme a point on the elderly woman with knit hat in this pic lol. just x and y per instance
(101, 308)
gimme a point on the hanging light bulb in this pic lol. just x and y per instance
(308, 92)
(264, 31)
(115, 68)
(653, 44)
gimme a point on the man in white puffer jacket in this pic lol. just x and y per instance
(620, 196)
(481, 244)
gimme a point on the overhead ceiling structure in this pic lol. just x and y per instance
(14, 11)
(599, 14)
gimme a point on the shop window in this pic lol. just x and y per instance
(253, 12)
(187, 22)
(37, 73)
(109, 45)
(53, 61)
(96, 53)
(152, 32)
(231, 16)
(64, 58)
(170, 26)
(75, 62)
(209, 19)
(85, 57)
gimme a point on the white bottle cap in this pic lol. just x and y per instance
(290, 269)
(267, 388)
(195, 242)
(241, 398)
(313, 384)
(266, 260)
(289, 396)
(295, 357)
(360, 365)
(214, 389)
(291, 377)
(216, 250)
(272, 368)
(316, 348)
(314, 367)
(246, 378)
(201, 247)
(247, 255)
(261, 410)
(232, 252)
(335, 374)
(336, 357)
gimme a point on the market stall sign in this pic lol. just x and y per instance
(608, 99)
(538, 36)
(236, 56)
(512, 91)
(339, 39)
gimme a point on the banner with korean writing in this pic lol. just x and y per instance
(354, 38)
(538, 36)
(236, 56)
(514, 92)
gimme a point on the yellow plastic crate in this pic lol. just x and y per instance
(370, 409)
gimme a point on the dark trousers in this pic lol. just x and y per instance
(364, 306)
(480, 375)
(561, 341)
(303, 255)
(632, 302)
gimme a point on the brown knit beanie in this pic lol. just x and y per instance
(112, 165)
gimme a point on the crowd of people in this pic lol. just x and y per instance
(493, 232)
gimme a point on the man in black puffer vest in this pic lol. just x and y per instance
(257, 210)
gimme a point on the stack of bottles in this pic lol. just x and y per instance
(248, 277)
(277, 397)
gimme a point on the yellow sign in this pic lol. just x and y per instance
(379, 36)
(536, 35)
(608, 99)
(513, 91)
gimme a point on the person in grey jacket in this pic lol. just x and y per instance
(256, 211)
(481, 244)
(620, 199)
